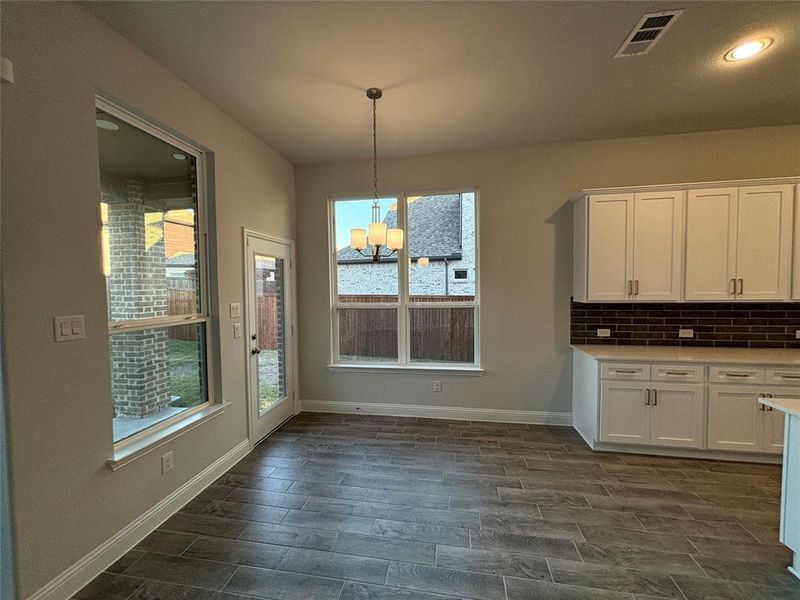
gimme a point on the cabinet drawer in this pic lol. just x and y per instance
(629, 371)
(689, 373)
(735, 374)
(783, 376)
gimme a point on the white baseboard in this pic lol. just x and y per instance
(726, 455)
(90, 566)
(495, 415)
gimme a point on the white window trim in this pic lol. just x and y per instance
(403, 305)
(129, 449)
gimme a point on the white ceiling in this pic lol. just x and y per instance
(463, 75)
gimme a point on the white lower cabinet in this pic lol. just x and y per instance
(658, 414)
(736, 421)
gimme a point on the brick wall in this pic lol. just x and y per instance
(732, 324)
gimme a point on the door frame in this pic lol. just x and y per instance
(291, 373)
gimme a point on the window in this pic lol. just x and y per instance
(151, 211)
(418, 306)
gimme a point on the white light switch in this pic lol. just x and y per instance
(235, 310)
(237, 330)
(69, 328)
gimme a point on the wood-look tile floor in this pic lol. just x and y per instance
(342, 507)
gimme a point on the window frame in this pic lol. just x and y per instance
(141, 442)
(404, 304)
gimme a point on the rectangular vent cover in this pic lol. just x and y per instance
(648, 31)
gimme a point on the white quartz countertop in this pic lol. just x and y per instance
(791, 406)
(742, 356)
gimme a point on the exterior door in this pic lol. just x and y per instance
(270, 336)
(734, 418)
(678, 415)
(625, 412)
(610, 249)
(658, 245)
(764, 244)
(711, 244)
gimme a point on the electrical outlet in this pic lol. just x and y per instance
(167, 462)
(437, 385)
(603, 333)
(685, 333)
(235, 310)
(797, 334)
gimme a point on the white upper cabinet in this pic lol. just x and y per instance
(715, 244)
(711, 244)
(764, 242)
(610, 248)
(657, 245)
(634, 246)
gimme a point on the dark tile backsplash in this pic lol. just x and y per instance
(739, 324)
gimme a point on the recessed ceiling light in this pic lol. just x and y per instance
(748, 49)
(107, 125)
(178, 156)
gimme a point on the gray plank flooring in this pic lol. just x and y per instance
(357, 507)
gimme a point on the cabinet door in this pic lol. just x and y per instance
(610, 251)
(764, 242)
(678, 415)
(624, 412)
(658, 245)
(774, 420)
(796, 277)
(710, 244)
(734, 418)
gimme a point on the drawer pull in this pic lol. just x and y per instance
(737, 375)
(684, 373)
(626, 371)
(790, 376)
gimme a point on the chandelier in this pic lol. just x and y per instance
(377, 235)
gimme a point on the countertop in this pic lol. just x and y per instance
(741, 356)
(791, 406)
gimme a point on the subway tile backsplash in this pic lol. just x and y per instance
(731, 324)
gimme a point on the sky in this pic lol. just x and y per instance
(355, 213)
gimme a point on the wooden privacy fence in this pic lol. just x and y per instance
(437, 334)
(181, 301)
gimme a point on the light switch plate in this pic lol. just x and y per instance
(237, 330)
(685, 333)
(797, 334)
(72, 327)
(235, 310)
(603, 333)
(437, 385)
(167, 462)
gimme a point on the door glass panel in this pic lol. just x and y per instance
(270, 331)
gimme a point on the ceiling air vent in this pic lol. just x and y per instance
(647, 32)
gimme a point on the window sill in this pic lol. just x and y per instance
(130, 452)
(471, 370)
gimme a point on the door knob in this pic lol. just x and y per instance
(255, 351)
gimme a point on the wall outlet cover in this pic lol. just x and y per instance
(685, 333)
(797, 334)
(235, 310)
(603, 333)
(437, 385)
(167, 462)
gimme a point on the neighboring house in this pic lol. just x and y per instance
(441, 228)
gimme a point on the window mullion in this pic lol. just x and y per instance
(403, 325)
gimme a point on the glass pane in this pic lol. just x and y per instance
(156, 374)
(149, 234)
(441, 247)
(359, 279)
(443, 334)
(368, 334)
(271, 340)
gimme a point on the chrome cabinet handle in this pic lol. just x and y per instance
(647, 402)
(741, 286)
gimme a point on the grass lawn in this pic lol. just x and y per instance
(184, 373)
(268, 390)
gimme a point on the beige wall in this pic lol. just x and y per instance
(526, 251)
(66, 501)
